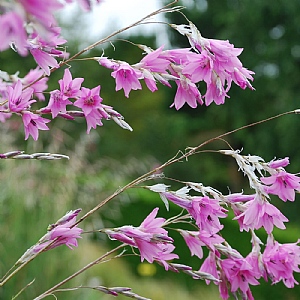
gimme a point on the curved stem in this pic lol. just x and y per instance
(177, 158)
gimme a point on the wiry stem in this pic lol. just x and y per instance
(164, 9)
(98, 260)
(175, 159)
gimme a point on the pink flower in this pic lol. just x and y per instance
(33, 123)
(239, 273)
(210, 266)
(70, 87)
(13, 32)
(279, 163)
(199, 67)
(187, 92)
(196, 239)
(150, 238)
(38, 86)
(19, 100)
(281, 260)
(90, 103)
(89, 100)
(260, 213)
(57, 103)
(282, 184)
(63, 232)
(215, 91)
(44, 60)
(154, 61)
(42, 11)
(204, 210)
(127, 78)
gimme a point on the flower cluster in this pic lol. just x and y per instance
(213, 61)
(18, 99)
(30, 26)
(236, 273)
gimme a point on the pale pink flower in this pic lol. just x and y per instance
(187, 92)
(127, 78)
(63, 232)
(33, 123)
(282, 184)
(13, 32)
(38, 86)
(239, 273)
(281, 260)
(196, 239)
(19, 100)
(42, 10)
(210, 266)
(57, 103)
(44, 60)
(260, 213)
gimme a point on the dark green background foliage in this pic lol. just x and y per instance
(110, 157)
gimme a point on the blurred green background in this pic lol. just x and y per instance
(36, 193)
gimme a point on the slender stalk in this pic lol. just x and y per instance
(91, 264)
(106, 39)
(177, 158)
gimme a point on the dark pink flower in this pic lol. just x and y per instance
(206, 212)
(70, 87)
(89, 100)
(282, 184)
(281, 260)
(199, 67)
(150, 238)
(19, 100)
(90, 103)
(33, 123)
(215, 91)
